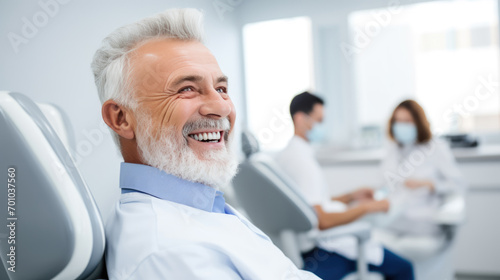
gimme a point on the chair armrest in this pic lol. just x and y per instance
(452, 212)
(362, 231)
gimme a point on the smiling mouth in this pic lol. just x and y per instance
(207, 137)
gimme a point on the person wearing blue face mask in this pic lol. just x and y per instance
(404, 133)
(317, 132)
(418, 170)
(297, 160)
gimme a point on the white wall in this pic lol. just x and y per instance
(54, 66)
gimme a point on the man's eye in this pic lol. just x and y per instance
(186, 89)
(221, 90)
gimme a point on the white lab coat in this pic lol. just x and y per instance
(298, 161)
(412, 210)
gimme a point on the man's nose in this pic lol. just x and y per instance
(215, 106)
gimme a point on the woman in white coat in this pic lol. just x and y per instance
(419, 171)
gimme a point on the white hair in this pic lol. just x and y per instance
(111, 61)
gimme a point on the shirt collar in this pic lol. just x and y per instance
(155, 182)
(303, 144)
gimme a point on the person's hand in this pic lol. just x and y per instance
(377, 206)
(415, 184)
(363, 194)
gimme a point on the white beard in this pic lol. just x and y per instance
(167, 152)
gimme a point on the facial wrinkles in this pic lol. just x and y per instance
(208, 81)
(164, 110)
(168, 112)
(165, 103)
(152, 106)
(161, 105)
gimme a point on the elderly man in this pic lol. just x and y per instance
(166, 99)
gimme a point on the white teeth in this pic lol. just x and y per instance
(206, 136)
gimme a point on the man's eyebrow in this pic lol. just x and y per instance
(191, 78)
(222, 79)
(195, 78)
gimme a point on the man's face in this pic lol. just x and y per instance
(184, 116)
(180, 81)
(316, 115)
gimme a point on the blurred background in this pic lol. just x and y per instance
(362, 57)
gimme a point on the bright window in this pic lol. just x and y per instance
(444, 54)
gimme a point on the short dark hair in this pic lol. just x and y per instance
(304, 102)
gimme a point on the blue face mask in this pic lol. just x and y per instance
(317, 133)
(404, 133)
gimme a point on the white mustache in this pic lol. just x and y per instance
(206, 123)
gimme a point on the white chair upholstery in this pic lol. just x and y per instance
(60, 122)
(59, 233)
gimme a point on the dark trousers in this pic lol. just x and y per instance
(332, 266)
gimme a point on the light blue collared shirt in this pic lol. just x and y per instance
(158, 183)
(165, 227)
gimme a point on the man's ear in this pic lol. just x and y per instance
(300, 120)
(118, 119)
(298, 117)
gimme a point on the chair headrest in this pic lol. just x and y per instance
(52, 191)
(270, 198)
(249, 144)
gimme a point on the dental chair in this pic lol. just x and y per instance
(57, 227)
(271, 201)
